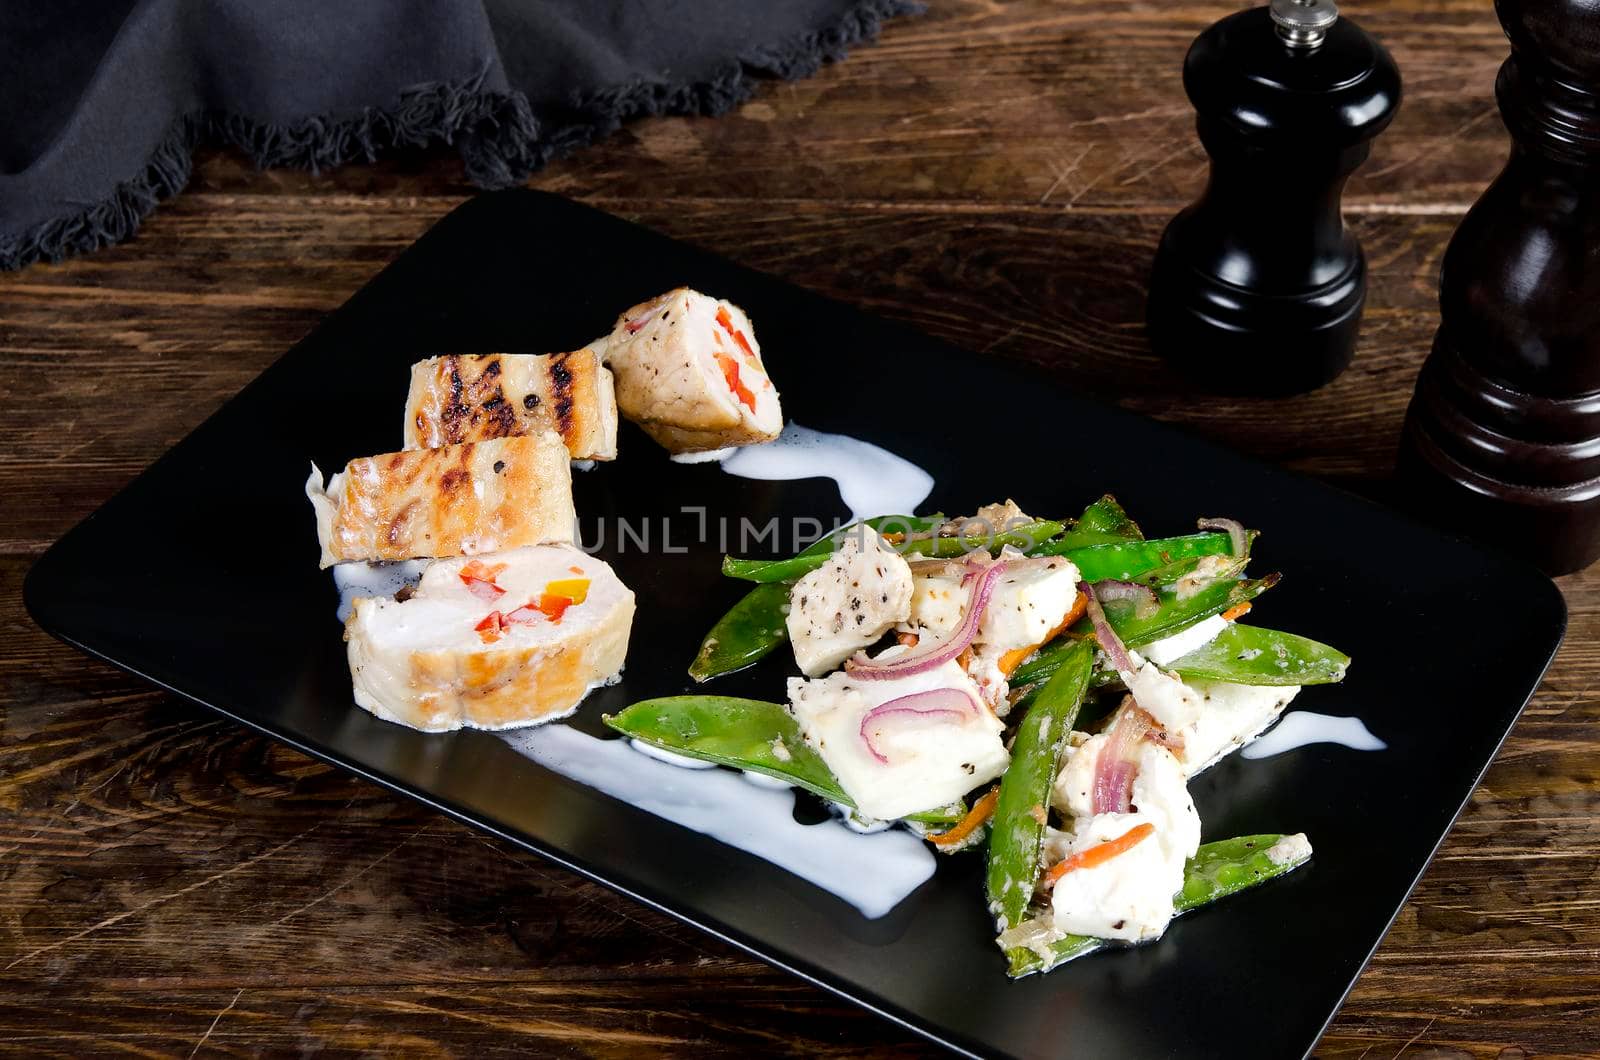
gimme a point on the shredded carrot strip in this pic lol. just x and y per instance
(907, 639)
(1236, 611)
(1099, 855)
(981, 811)
(1013, 658)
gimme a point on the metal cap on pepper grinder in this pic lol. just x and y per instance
(1258, 287)
(1303, 23)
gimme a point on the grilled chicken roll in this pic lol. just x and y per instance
(477, 398)
(460, 500)
(689, 372)
(493, 642)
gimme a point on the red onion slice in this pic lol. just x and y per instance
(945, 704)
(1110, 643)
(1238, 541)
(1144, 598)
(929, 654)
(1118, 764)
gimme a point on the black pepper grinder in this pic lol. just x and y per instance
(1258, 286)
(1502, 439)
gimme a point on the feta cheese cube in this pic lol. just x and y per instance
(1028, 603)
(930, 762)
(1231, 716)
(847, 603)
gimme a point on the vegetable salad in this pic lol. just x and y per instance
(1039, 690)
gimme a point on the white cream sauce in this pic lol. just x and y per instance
(1300, 728)
(704, 456)
(660, 755)
(373, 580)
(874, 873)
(872, 480)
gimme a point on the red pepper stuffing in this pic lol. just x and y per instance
(490, 628)
(548, 606)
(479, 580)
(554, 606)
(738, 336)
(730, 373)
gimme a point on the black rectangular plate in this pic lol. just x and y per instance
(201, 576)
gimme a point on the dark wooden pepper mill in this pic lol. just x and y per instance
(1502, 439)
(1258, 287)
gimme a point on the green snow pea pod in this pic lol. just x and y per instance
(747, 633)
(1251, 655)
(1229, 866)
(747, 734)
(744, 733)
(1017, 828)
(787, 570)
(1025, 536)
(1103, 522)
(1171, 615)
(1216, 871)
(1130, 560)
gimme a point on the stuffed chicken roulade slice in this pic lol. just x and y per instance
(492, 642)
(689, 372)
(461, 500)
(478, 398)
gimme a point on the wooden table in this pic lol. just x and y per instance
(996, 174)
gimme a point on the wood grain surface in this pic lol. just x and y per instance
(996, 173)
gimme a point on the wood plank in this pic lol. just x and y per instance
(1068, 105)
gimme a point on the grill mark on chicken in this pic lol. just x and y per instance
(455, 411)
(561, 391)
(476, 406)
(397, 526)
(500, 416)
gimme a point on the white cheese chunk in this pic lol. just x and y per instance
(1231, 716)
(1073, 793)
(1128, 896)
(847, 603)
(1169, 649)
(1162, 695)
(1291, 849)
(929, 762)
(984, 668)
(937, 601)
(1028, 603)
